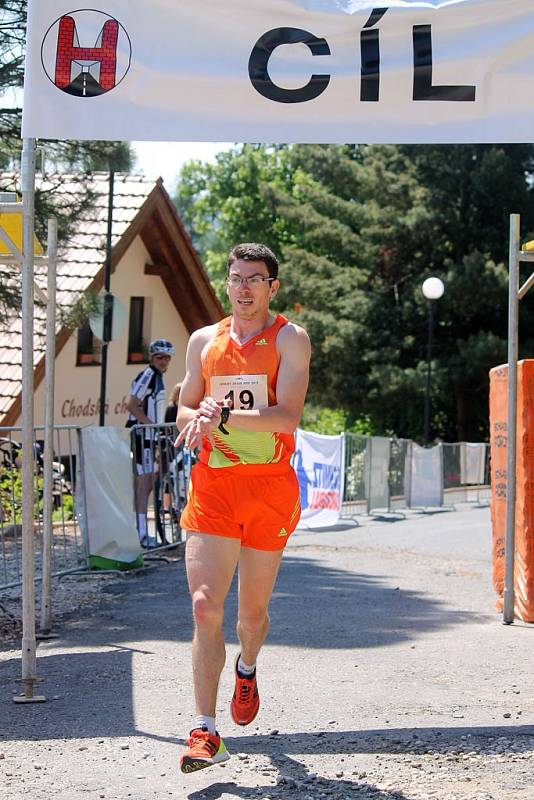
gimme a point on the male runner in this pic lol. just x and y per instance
(241, 401)
(145, 406)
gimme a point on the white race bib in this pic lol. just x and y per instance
(241, 392)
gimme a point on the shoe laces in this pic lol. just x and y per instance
(244, 690)
(202, 739)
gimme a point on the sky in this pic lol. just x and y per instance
(165, 159)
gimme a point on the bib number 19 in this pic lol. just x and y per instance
(245, 397)
(240, 392)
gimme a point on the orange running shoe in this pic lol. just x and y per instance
(246, 700)
(205, 749)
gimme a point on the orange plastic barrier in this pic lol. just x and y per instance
(524, 523)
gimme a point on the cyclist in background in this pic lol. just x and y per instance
(145, 405)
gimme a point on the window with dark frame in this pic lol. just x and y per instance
(137, 351)
(88, 348)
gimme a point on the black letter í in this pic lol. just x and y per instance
(370, 51)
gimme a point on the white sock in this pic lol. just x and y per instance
(142, 526)
(245, 669)
(201, 721)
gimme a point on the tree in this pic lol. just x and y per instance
(358, 229)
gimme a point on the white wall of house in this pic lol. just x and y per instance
(78, 387)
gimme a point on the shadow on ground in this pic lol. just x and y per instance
(313, 605)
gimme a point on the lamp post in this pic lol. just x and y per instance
(433, 289)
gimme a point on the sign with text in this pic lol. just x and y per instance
(282, 71)
(318, 463)
(241, 392)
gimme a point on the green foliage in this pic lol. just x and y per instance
(324, 420)
(11, 496)
(358, 229)
(89, 304)
(332, 421)
(66, 512)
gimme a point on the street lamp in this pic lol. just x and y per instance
(433, 289)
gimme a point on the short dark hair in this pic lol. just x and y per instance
(252, 251)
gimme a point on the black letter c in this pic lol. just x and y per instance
(259, 61)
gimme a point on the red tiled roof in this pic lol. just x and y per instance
(79, 261)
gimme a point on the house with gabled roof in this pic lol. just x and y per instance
(158, 279)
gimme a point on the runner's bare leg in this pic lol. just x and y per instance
(258, 570)
(210, 564)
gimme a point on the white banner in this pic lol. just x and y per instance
(109, 494)
(318, 462)
(472, 463)
(281, 71)
(424, 476)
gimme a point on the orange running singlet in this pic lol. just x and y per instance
(245, 376)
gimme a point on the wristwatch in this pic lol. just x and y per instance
(225, 414)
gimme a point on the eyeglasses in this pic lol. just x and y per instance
(235, 281)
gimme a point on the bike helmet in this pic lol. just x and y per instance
(161, 347)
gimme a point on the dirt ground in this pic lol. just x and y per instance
(386, 674)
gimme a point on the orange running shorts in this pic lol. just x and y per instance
(261, 510)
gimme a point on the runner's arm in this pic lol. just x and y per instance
(190, 423)
(135, 407)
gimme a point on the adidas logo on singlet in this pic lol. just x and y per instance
(262, 341)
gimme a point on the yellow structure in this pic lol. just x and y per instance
(12, 225)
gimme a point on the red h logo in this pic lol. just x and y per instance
(67, 53)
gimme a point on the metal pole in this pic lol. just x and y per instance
(29, 657)
(46, 586)
(513, 320)
(108, 305)
(426, 426)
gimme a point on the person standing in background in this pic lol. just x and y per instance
(145, 407)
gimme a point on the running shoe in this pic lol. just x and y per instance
(246, 700)
(205, 749)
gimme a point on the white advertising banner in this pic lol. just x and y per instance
(281, 71)
(109, 494)
(424, 476)
(472, 463)
(318, 462)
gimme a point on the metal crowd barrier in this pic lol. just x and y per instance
(354, 492)
(165, 470)
(466, 472)
(68, 548)
(376, 474)
(374, 481)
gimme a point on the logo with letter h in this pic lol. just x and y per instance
(86, 71)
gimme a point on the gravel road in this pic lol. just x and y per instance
(387, 674)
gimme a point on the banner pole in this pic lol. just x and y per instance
(29, 645)
(513, 320)
(46, 585)
(107, 323)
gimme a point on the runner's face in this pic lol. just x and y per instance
(249, 301)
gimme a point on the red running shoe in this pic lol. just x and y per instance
(246, 700)
(205, 749)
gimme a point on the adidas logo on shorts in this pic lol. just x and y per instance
(283, 532)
